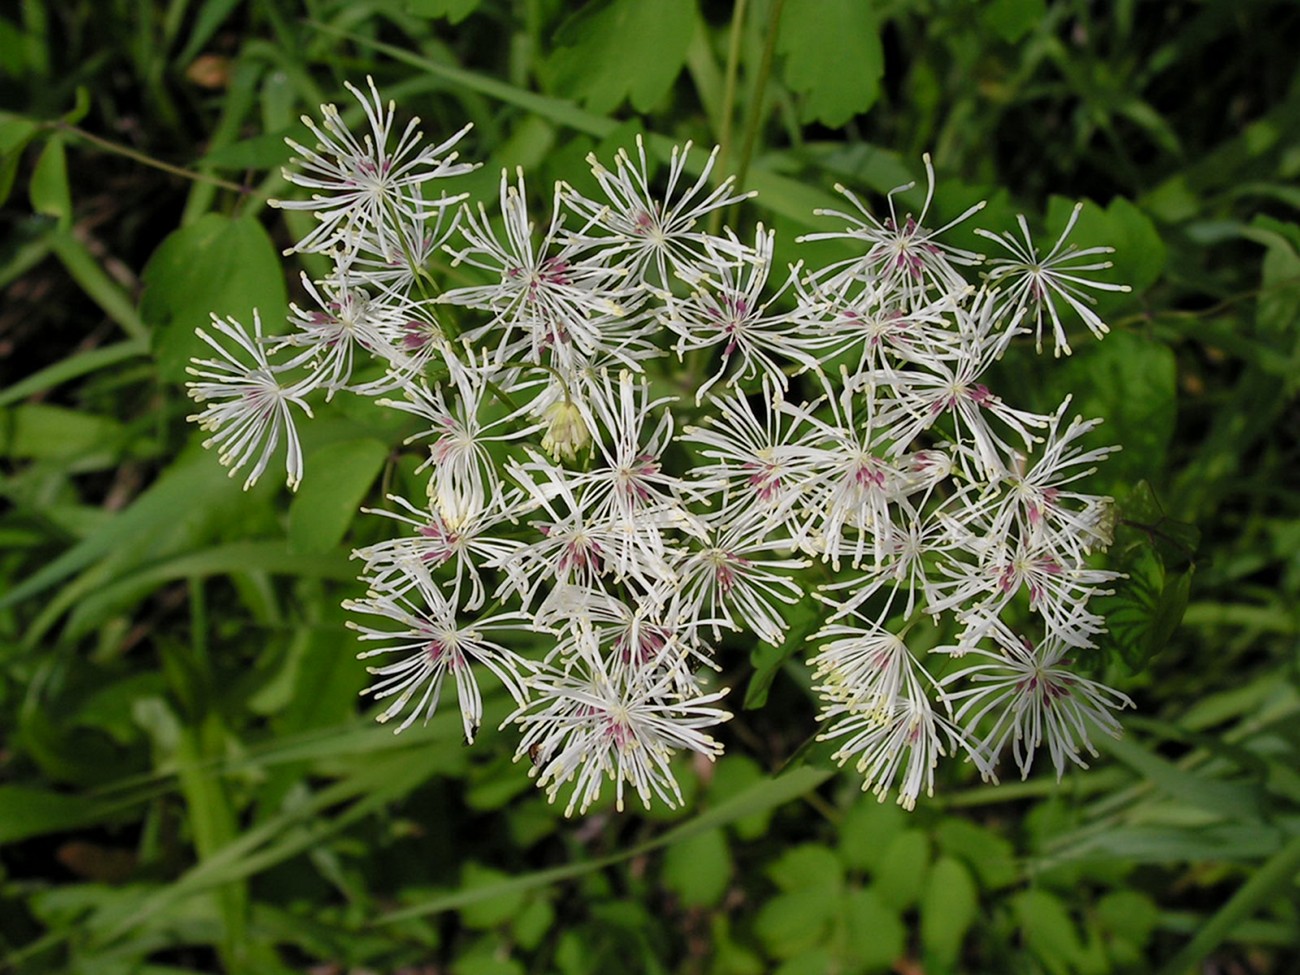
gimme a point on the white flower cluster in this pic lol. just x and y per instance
(840, 445)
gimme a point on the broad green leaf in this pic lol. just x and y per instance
(51, 196)
(617, 49)
(1130, 382)
(1140, 253)
(833, 57)
(698, 869)
(792, 923)
(1129, 914)
(867, 830)
(808, 865)
(990, 856)
(948, 906)
(901, 873)
(341, 475)
(216, 265)
(877, 937)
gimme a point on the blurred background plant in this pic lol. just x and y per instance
(187, 780)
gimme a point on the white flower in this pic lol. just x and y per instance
(547, 302)
(434, 644)
(732, 580)
(344, 322)
(903, 254)
(475, 543)
(1034, 282)
(589, 721)
(652, 235)
(727, 309)
(247, 406)
(906, 737)
(366, 186)
(1032, 698)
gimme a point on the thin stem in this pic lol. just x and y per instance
(755, 120)
(140, 157)
(729, 98)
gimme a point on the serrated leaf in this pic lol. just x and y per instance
(327, 502)
(833, 57)
(622, 49)
(216, 265)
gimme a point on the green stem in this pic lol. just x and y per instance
(729, 99)
(144, 160)
(755, 119)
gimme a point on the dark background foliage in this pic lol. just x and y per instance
(187, 781)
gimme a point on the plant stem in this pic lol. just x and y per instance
(140, 157)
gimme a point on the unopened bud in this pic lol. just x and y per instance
(566, 431)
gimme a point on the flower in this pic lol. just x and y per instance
(434, 644)
(251, 409)
(652, 236)
(589, 721)
(365, 187)
(1034, 282)
(1033, 698)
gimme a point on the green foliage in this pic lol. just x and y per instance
(189, 782)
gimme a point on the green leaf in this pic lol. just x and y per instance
(1048, 930)
(39, 430)
(698, 869)
(991, 856)
(1013, 19)
(1145, 609)
(809, 865)
(26, 812)
(216, 265)
(833, 57)
(15, 133)
(326, 504)
(51, 196)
(901, 872)
(877, 936)
(1130, 382)
(265, 151)
(621, 49)
(866, 831)
(491, 912)
(454, 10)
(948, 906)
